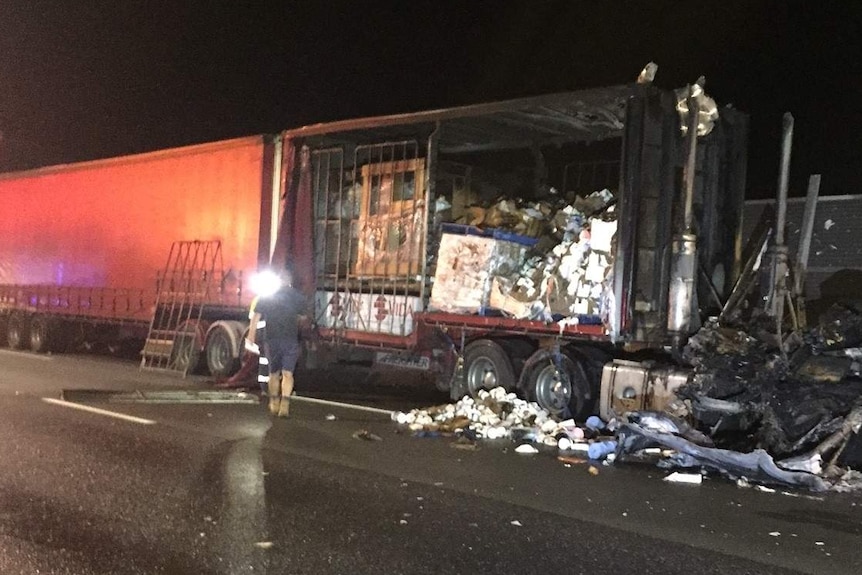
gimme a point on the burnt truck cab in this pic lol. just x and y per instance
(368, 203)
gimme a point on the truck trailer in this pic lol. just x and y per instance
(377, 218)
(90, 252)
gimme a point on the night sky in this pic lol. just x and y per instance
(82, 80)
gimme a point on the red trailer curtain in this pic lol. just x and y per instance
(294, 246)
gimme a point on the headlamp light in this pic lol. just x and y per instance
(265, 283)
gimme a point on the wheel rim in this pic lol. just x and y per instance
(482, 374)
(553, 390)
(219, 354)
(37, 336)
(13, 335)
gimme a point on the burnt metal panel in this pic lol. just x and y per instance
(621, 322)
(646, 207)
(651, 209)
(721, 187)
(586, 115)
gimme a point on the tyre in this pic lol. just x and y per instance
(593, 360)
(486, 366)
(223, 348)
(559, 386)
(16, 331)
(41, 334)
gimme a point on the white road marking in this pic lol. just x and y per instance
(28, 354)
(98, 411)
(344, 405)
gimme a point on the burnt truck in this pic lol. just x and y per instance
(523, 244)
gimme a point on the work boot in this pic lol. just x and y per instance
(286, 390)
(274, 390)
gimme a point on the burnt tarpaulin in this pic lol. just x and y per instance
(747, 397)
(757, 465)
(840, 327)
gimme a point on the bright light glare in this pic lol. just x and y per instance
(265, 283)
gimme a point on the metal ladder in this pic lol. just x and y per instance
(186, 284)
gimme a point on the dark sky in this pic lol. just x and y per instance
(83, 80)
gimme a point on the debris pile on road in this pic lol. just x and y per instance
(748, 413)
(789, 419)
(494, 414)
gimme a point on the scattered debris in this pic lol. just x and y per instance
(759, 414)
(494, 414)
(571, 460)
(465, 444)
(330, 417)
(366, 435)
(692, 478)
(601, 449)
(264, 544)
(516, 523)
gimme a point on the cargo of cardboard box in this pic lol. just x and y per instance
(566, 273)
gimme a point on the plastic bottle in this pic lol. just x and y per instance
(601, 449)
(595, 423)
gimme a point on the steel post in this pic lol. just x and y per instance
(684, 249)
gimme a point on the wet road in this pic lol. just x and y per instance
(222, 488)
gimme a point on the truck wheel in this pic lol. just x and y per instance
(561, 390)
(592, 360)
(41, 334)
(15, 331)
(487, 366)
(223, 348)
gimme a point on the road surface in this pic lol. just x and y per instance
(212, 488)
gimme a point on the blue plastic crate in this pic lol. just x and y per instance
(513, 237)
(496, 233)
(464, 230)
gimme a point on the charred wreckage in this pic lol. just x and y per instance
(753, 393)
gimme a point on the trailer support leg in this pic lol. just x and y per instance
(459, 381)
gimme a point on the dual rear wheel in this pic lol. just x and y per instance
(217, 345)
(560, 382)
(36, 333)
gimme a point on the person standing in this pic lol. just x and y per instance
(281, 312)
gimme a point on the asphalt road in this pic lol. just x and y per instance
(206, 488)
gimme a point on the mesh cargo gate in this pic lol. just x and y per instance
(188, 281)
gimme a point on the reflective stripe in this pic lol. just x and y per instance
(253, 306)
(263, 379)
(261, 324)
(263, 361)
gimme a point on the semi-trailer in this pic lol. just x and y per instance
(375, 216)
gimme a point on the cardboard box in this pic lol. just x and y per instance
(466, 264)
(509, 302)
